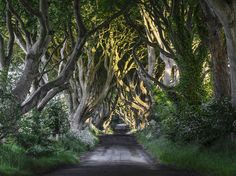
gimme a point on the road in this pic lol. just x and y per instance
(119, 155)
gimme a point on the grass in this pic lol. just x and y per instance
(217, 160)
(36, 166)
(14, 160)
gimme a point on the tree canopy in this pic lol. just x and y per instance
(106, 57)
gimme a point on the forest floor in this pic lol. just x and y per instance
(119, 155)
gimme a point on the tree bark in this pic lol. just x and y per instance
(76, 52)
(151, 60)
(24, 83)
(6, 52)
(221, 76)
(169, 78)
(226, 12)
(34, 50)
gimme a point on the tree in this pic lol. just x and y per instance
(34, 49)
(7, 52)
(35, 27)
(178, 35)
(226, 10)
(216, 44)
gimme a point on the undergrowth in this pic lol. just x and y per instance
(16, 160)
(219, 159)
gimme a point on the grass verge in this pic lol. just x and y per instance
(217, 160)
(16, 161)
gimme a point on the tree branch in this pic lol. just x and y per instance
(29, 8)
(44, 24)
(10, 43)
(80, 24)
(2, 53)
(12, 10)
(20, 41)
(144, 39)
(109, 20)
(162, 86)
(50, 58)
(52, 93)
(70, 66)
(221, 7)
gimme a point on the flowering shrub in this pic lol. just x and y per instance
(85, 136)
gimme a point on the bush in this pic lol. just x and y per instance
(9, 114)
(86, 136)
(38, 128)
(56, 117)
(203, 123)
(9, 108)
(40, 151)
(15, 160)
(69, 142)
(33, 130)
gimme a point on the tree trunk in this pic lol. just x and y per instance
(226, 12)
(76, 118)
(24, 83)
(190, 84)
(231, 48)
(151, 60)
(169, 78)
(221, 76)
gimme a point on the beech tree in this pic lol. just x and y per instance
(59, 57)
(225, 10)
(106, 58)
(216, 44)
(177, 35)
(91, 82)
(35, 43)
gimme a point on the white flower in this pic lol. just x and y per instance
(85, 136)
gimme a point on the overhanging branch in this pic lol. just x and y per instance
(156, 81)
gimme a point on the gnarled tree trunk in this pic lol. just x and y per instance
(221, 76)
(34, 50)
(226, 12)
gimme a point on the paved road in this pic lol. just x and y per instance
(118, 155)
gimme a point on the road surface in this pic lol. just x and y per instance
(118, 155)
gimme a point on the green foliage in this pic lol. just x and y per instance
(217, 160)
(111, 5)
(164, 108)
(60, 13)
(71, 143)
(203, 124)
(183, 33)
(45, 164)
(33, 130)
(56, 117)
(36, 128)
(9, 109)
(2, 14)
(14, 160)
(9, 114)
(40, 150)
(30, 21)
